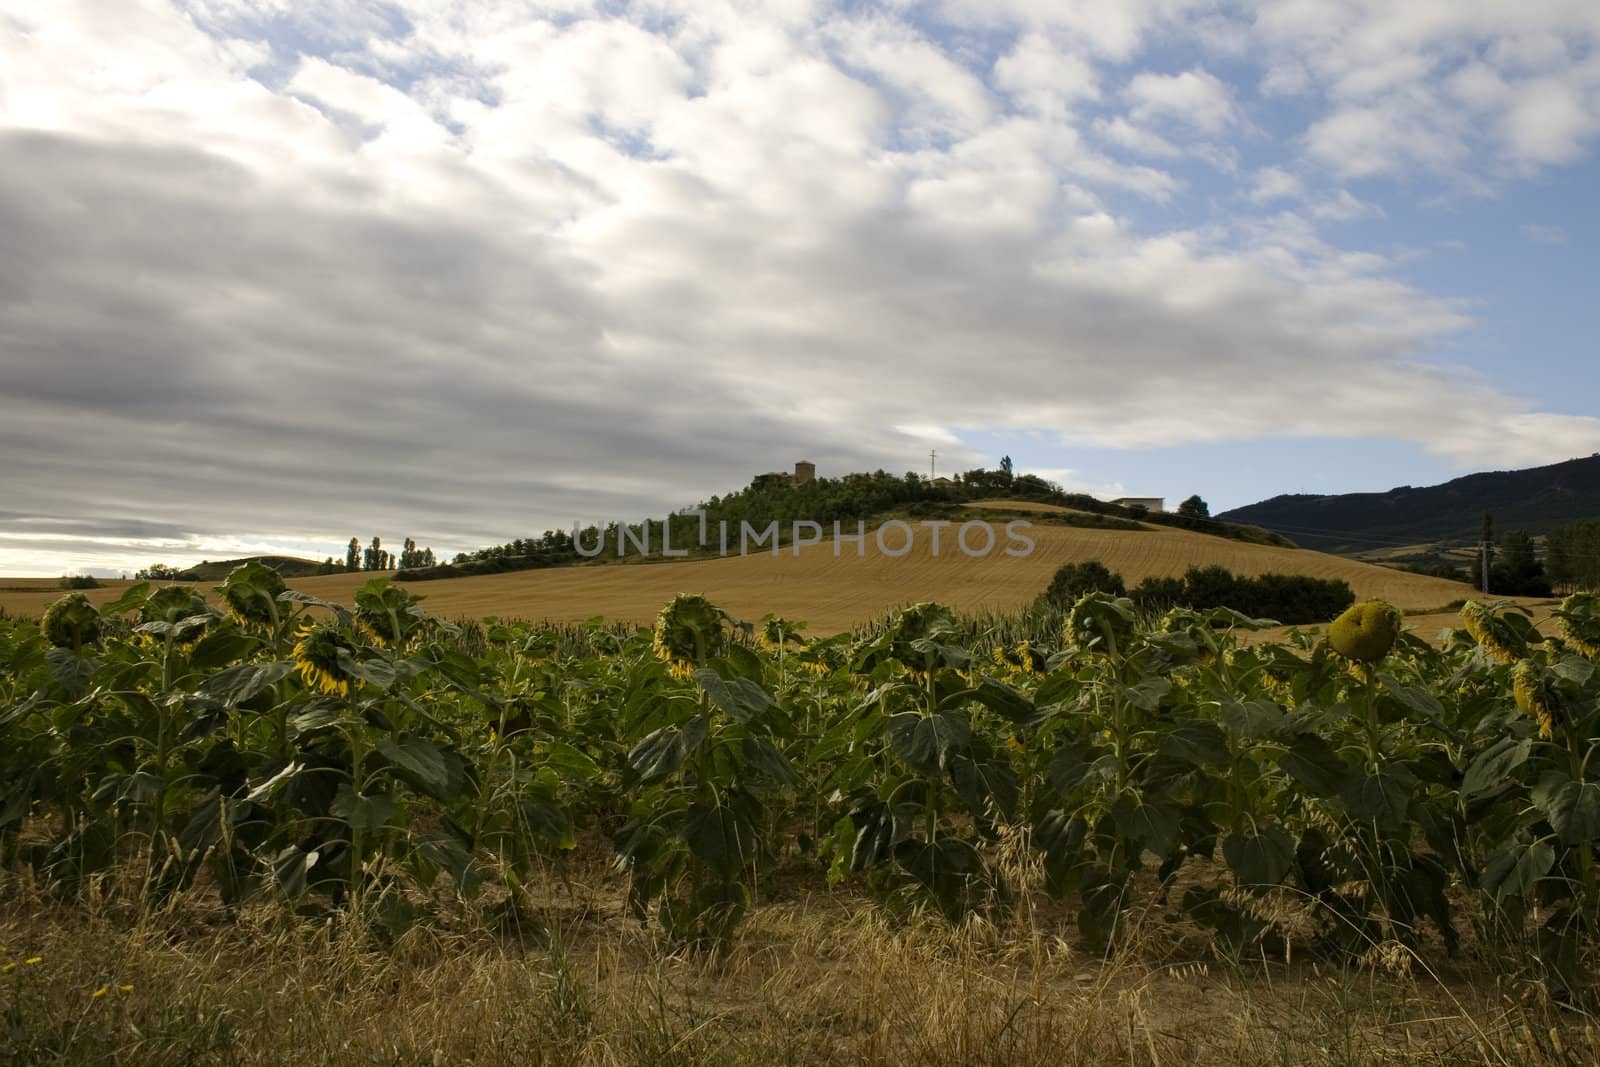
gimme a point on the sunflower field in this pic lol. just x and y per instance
(1363, 789)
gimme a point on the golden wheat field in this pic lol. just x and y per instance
(833, 590)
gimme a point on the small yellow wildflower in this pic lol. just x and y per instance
(31, 960)
(100, 992)
(126, 988)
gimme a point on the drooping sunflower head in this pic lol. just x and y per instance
(316, 655)
(817, 667)
(688, 630)
(1365, 632)
(1531, 691)
(1021, 658)
(71, 622)
(1580, 622)
(925, 620)
(251, 592)
(172, 604)
(1099, 619)
(384, 611)
(777, 632)
(1491, 632)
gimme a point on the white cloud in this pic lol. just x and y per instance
(940, 95)
(1045, 79)
(1113, 31)
(1195, 97)
(1275, 183)
(1119, 131)
(470, 272)
(1272, 185)
(1550, 119)
(1540, 233)
(1341, 206)
(1077, 481)
(1496, 88)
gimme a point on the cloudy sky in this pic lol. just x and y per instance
(466, 270)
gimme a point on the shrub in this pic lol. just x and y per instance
(1073, 580)
(1160, 593)
(1294, 599)
(79, 581)
(1213, 587)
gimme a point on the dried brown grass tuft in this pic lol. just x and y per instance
(829, 980)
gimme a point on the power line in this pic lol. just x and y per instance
(1348, 536)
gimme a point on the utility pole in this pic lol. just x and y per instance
(1486, 550)
(933, 454)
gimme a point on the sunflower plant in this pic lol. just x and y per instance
(707, 764)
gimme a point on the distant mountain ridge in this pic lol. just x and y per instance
(1537, 499)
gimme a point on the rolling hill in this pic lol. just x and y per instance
(288, 566)
(1536, 499)
(834, 592)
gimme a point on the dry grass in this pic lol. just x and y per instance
(811, 980)
(833, 593)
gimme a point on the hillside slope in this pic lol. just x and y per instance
(835, 592)
(288, 566)
(1537, 500)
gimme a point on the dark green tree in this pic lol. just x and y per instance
(352, 555)
(1073, 580)
(1212, 586)
(1519, 572)
(1572, 556)
(1195, 508)
(1485, 554)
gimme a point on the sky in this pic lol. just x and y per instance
(278, 274)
